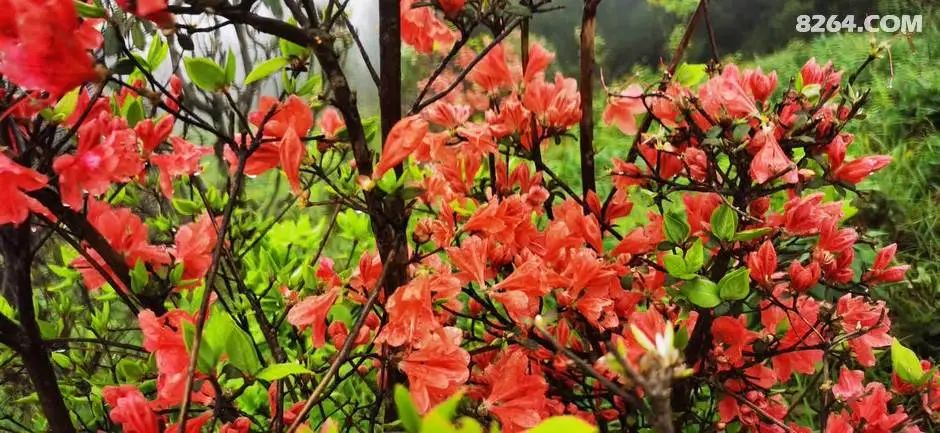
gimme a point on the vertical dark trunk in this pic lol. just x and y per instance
(14, 241)
(390, 234)
(389, 64)
(588, 24)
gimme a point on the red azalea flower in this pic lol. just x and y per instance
(240, 425)
(517, 394)
(183, 161)
(421, 29)
(15, 182)
(492, 72)
(107, 153)
(153, 10)
(194, 245)
(402, 140)
(623, 108)
(555, 104)
(410, 314)
(45, 46)
(127, 234)
(151, 135)
(770, 162)
(880, 272)
(436, 369)
(130, 409)
(763, 264)
(871, 320)
(311, 312)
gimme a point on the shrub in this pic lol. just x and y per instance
(712, 284)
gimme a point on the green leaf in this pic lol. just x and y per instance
(205, 73)
(750, 235)
(208, 355)
(222, 332)
(695, 257)
(133, 111)
(129, 370)
(86, 10)
(563, 424)
(313, 85)
(62, 360)
(123, 66)
(677, 229)
(905, 363)
(279, 371)
(701, 292)
(289, 48)
(675, 265)
(735, 285)
(407, 412)
(139, 277)
(448, 408)
(724, 222)
(186, 207)
(265, 69)
(66, 104)
(230, 66)
(157, 52)
(690, 75)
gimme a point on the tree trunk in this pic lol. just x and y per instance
(14, 241)
(588, 24)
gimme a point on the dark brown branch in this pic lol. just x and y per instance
(588, 23)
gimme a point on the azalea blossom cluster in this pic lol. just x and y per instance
(711, 303)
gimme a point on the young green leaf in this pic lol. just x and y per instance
(675, 265)
(689, 75)
(701, 292)
(750, 235)
(205, 73)
(905, 363)
(724, 222)
(157, 52)
(407, 412)
(230, 66)
(564, 424)
(265, 69)
(677, 229)
(139, 277)
(695, 257)
(279, 371)
(735, 285)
